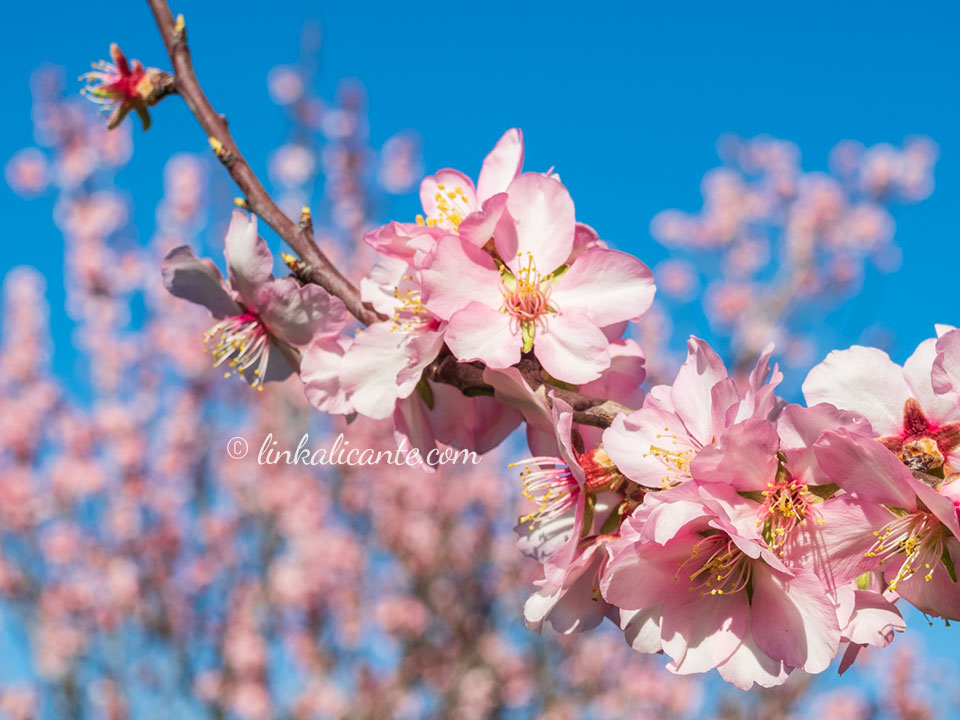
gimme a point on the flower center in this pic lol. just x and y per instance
(106, 84)
(526, 295)
(719, 567)
(922, 455)
(452, 208)
(675, 460)
(600, 471)
(787, 503)
(918, 536)
(549, 483)
(243, 341)
(409, 312)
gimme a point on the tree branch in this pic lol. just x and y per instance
(322, 271)
(467, 377)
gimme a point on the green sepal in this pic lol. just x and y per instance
(527, 329)
(588, 515)
(426, 393)
(612, 522)
(551, 380)
(558, 272)
(824, 492)
(948, 563)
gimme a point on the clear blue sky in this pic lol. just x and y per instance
(626, 100)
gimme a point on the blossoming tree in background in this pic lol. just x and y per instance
(776, 247)
(699, 514)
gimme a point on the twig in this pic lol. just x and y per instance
(317, 268)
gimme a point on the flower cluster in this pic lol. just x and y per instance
(136, 562)
(729, 530)
(716, 523)
(492, 272)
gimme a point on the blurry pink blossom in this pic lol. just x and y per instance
(27, 172)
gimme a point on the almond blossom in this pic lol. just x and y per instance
(449, 198)
(534, 291)
(261, 320)
(655, 445)
(915, 544)
(125, 86)
(914, 410)
(574, 495)
(692, 559)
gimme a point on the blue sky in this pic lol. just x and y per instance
(625, 100)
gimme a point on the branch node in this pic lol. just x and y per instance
(297, 266)
(306, 221)
(180, 31)
(222, 153)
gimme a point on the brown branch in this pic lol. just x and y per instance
(467, 377)
(258, 200)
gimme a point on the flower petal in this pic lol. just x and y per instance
(863, 380)
(749, 665)
(412, 430)
(650, 446)
(477, 228)
(945, 375)
(865, 469)
(874, 621)
(370, 367)
(501, 165)
(607, 286)
(432, 196)
(299, 314)
(701, 631)
(186, 276)
(800, 427)
(793, 619)
(940, 595)
(746, 457)
(572, 349)
(249, 261)
(694, 383)
(918, 371)
(641, 629)
(478, 332)
(320, 365)
(540, 220)
(458, 274)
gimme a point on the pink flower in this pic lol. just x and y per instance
(915, 543)
(914, 410)
(573, 499)
(379, 373)
(385, 361)
(257, 313)
(690, 564)
(655, 445)
(867, 617)
(449, 197)
(125, 86)
(528, 294)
